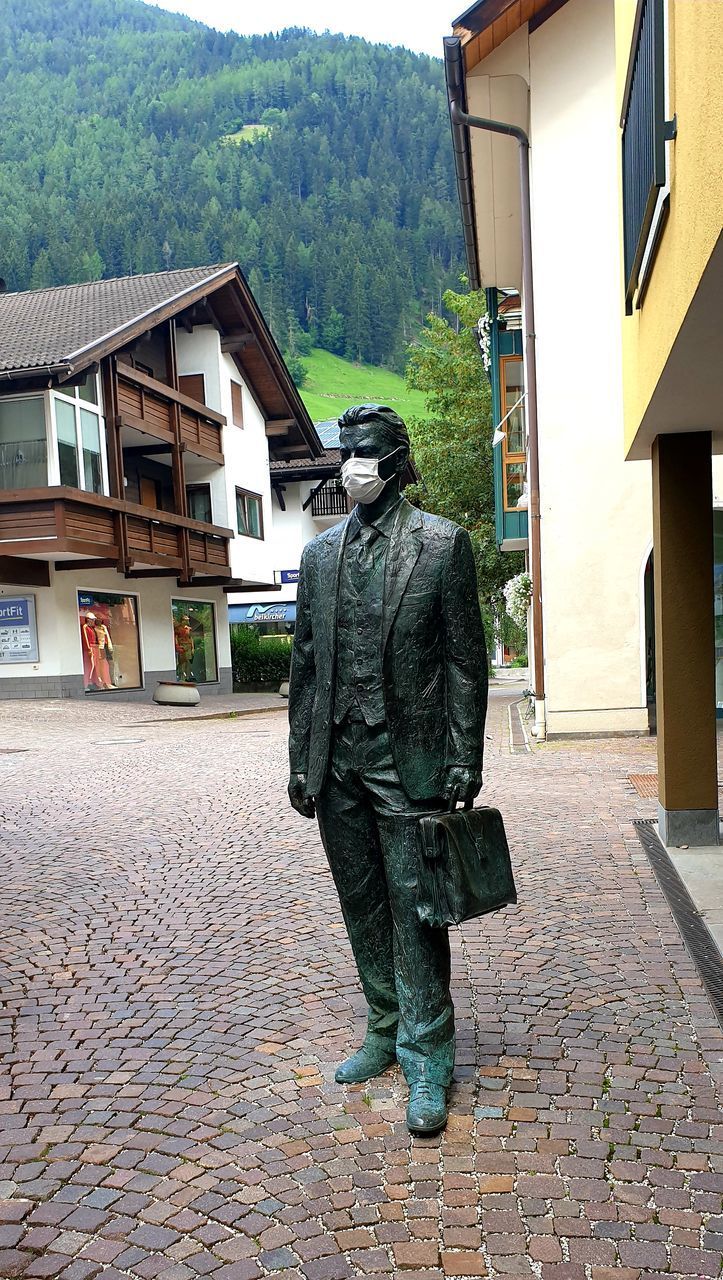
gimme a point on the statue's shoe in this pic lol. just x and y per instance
(427, 1109)
(369, 1061)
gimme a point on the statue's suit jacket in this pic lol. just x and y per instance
(434, 661)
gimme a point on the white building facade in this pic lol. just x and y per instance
(135, 486)
(555, 78)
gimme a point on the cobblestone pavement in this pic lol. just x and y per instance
(179, 987)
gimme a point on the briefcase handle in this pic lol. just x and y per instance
(453, 802)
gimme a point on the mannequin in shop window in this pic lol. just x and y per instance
(185, 648)
(99, 647)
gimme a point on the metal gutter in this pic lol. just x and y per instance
(456, 92)
(36, 371)
(462, 122)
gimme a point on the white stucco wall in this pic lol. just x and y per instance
(596, 509)
(245, 450)
(291, 531)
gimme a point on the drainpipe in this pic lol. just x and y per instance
(461, 120)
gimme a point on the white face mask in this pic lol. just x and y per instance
(361, 479)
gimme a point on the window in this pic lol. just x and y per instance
(237, 404)
(88, 389)
(193, 385)
(67, 443)
(90, 440)
(643, 140)
(199, 502)
(194, 640)
(110, 641)
(23, 446)
(249, 515)
(80, 431)
(514, 449)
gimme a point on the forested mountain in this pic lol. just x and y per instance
(126, 146)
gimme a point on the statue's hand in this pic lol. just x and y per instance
(463, 785)
(298, 797)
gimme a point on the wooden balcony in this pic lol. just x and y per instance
(64, 525)
(164, 413)
(330, 501)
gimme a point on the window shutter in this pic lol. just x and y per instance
(237, 404)
(193, 385)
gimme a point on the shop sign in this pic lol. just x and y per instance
(18, 629)
(270, 612)
(289, 576)
(281, 612)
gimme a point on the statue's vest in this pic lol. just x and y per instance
(359, 634)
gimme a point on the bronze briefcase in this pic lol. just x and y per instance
(464, 866)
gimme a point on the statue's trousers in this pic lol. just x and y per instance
(369, 830)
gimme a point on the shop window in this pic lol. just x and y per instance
(110, 641)
(194, 638)
(249, 515)
(23, 447)
(80, 433)
(514, 449)
(237, 404)
(199, 502)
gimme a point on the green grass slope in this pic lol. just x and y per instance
(332, 384)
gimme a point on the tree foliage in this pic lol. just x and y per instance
(453, 448)
(125, 147)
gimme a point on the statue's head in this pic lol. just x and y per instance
(374, 431)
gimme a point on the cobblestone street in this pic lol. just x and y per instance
(179, 987)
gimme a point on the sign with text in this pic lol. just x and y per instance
(18, 629)
(289, 575)
(283, 611)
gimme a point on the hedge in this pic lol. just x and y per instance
(258, 661)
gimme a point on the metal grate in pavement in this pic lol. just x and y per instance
(646, 784)
(518, 736)
(696, 935)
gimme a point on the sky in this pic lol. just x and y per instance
(417, 26)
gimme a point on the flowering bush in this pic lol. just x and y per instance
(518, 593)
(484, 338)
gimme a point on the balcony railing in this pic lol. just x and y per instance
(330, 501)
(643, 144)
(151, 406)
(65, 523)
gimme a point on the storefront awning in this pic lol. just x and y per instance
(283, 611)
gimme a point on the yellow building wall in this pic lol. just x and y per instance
(695, 167)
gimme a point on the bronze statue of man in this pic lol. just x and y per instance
(387, 703)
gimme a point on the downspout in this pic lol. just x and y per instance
(461, 121)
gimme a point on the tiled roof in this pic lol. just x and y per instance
(329, 458)
(45, 328)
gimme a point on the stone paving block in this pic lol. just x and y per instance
(463, 1264)
(169, 1107)
(13, 1262)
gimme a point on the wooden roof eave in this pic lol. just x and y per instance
(488, 23)
(265, 344)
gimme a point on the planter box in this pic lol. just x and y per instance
(169, 693)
